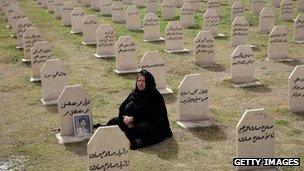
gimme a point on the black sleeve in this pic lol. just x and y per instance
(122, 111)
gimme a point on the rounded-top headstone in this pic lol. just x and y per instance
(296, 90)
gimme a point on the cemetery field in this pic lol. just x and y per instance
(28, 128)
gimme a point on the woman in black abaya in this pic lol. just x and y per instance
(143, 115)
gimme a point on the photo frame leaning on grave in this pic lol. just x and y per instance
(82, 125)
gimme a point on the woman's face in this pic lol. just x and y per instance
(141, 83)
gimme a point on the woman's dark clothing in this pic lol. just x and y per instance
(147, 107)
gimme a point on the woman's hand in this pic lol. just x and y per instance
(128, 120)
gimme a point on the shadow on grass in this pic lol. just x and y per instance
(293, 62)
(216, 68)
(79, 148)
(170, 98)
(209, 133)
(166, 150)
(258, 89)
(52, 108)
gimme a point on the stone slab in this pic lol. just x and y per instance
(70, 139)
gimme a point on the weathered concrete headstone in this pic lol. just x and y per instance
(57, 8)
(193, 101)
(127, 2)
(133, 20)
(255, 137)
(296, 90)
(239, 32)
(178, 3)
(286, 8)
(195, 3)
(73, 100)
(22, 25)
(278, 43)
(105, 41)
(6, 4)
(237, 10)
(95, 4)
(54, 77)
(242, 65)
(50, 6)
(44, 4)
(174, 41)
(299, 29)
(300, 5)
(16, 16)
(105, 7)
(40, 53)
(77, 15)
(214, 4)
(168, 9)
(151, 26)
(266, 20)
(66, 10)
(126, 60)
(204, 48)
(89, 28)
(154, 63)
(152, 6)
(139, 3)
(257, 6)
(118, 13)
(211, 22)
(108, 149)
(277, 3)
(187, 15)
(86, 3)
(9, 12)
(29, 38)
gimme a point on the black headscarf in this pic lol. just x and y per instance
(149, 88)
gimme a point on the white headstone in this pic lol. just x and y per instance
(152, 6)
(105, 7)
(214, 4)
(95, 4)
(40, 53)
(286, 10)
(66, 10)
(242, 65)
(211, 22)
(257, 6)
(16, 16)
(151, 26)
(301, 5)
(296, 90)
(266, 20)
(105, 41)
(204, 48)
(255, 137)
(237, 10)
(54, 77)
(89, 28)
(118, 13)
(299, 29)
(174, 40)
(168, 9)
(29, 38)
(239, 32)
(108, 149)
(139, 3)
(57, 8)
(73, 100)
(187, 15)
(278, 43)
(154, 63)
(77, 15)
(22, 25)
(126, 59)
(133, 20)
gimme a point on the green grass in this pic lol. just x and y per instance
(26, 125)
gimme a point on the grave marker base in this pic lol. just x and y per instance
(219, 35)
(88, 43)
(25, 60)
(57, 17)
(244, 85)
(165, 91)
(155, 40)
(70, 139)
(287, 59)
(75, 31)
(12, 35)
(298, 41)
(127, 71)
(19, 47)
(177, 51)
(209, 65)
(65, 24)
(198, 124)
(105, 56)
(35, 79)
(49, 102)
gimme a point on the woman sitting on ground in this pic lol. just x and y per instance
(143, 115)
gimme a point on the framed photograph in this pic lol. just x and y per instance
(82, 125)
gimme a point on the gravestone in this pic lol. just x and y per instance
(127, 2)
(16, 16)
(193, 102)
(89, 28)
(299, 29)
(66, 10)
(44, 4)
(151, 26)
(242, 66)
(22, 25)
(277, 3)
(108, 149)
(105, 41)
(178, 3)
(239, 32)
(278, 44)
(300, 5)
(211, 21)
(40, 53)
(154, 63)
(50, 6)
(237, 10)
(255, 137)
(266, 20)
(152, 6)
(73, 100)
(95, 4)
(286, 8)
(214, 4)
(195, 3)
(105, 7)
(126, 60)
(257, 6)
(54, 77)
(118, 13)
(9, 12)
(6, 4)
(168, 9)
(86, 3)
(29, 38)
(204, 49)
(77, 15)
(296, 90)
(139, 3)
(187, 15)
(133, 20)
(174, 42)
(57, 8)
